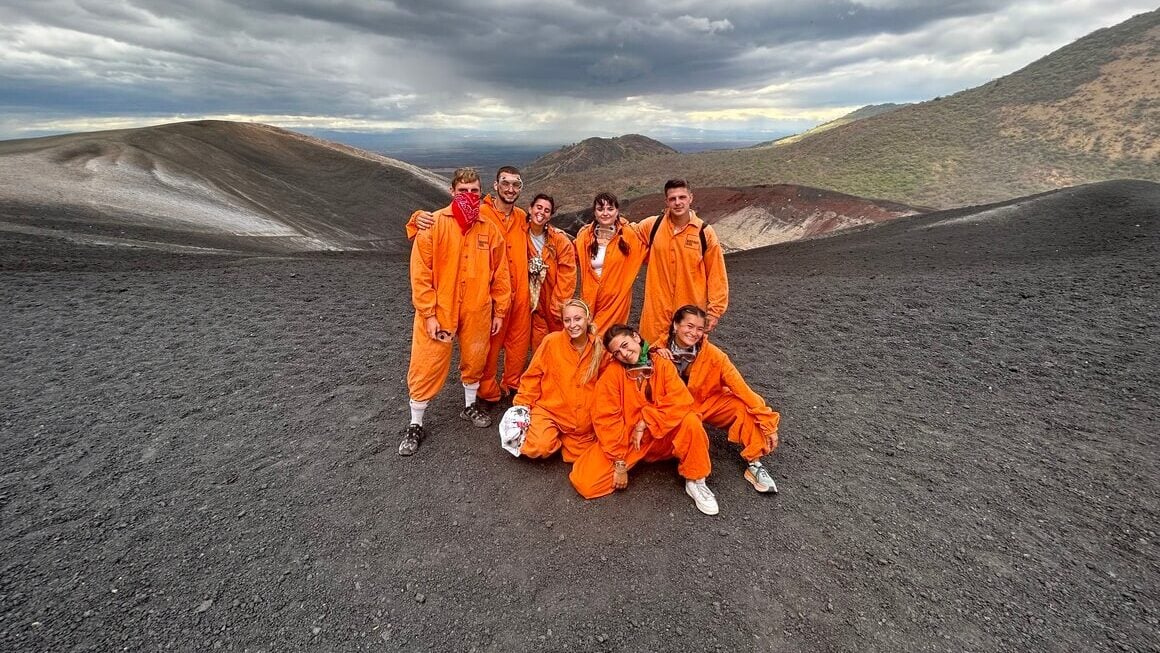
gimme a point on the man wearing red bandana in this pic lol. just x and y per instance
(461, 290)
(514, 338)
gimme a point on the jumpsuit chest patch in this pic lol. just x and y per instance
(481, 242)
(692, 242)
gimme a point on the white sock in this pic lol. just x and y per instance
(417, 410)
(470, 390)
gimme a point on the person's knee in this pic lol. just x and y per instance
(591, 486)
(574, 446)
(593, 491)
(539, 447)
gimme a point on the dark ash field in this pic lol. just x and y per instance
(199, 453)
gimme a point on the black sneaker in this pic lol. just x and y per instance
(508, 396)
(411, 440)
(476, 416)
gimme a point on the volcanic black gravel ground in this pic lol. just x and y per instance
(198, 453)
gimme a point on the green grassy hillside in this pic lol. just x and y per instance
(1087, 112)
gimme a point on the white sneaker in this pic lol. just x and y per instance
(702, 496)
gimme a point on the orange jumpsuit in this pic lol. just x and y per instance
(559, 283)
(515, 335)
(679, 274)
(723, 399)
(462, 280)
(610, 294)
(672, 429)
(560, 401)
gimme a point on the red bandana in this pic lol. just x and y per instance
(465, 208)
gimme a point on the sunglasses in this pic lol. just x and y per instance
(639, 372)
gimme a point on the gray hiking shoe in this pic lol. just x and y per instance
(757, 475)
(476, 416)
(411, 440)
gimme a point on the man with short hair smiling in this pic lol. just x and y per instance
(515, 336)
(686, 264)
(460, 289)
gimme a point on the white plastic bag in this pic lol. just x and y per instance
(513, 428)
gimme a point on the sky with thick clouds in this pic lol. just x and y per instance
(556, 69)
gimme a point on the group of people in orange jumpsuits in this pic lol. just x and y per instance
(502, 280)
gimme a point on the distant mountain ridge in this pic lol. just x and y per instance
(868, 111)
(213, 185)
(594, 152)
(1084, 113)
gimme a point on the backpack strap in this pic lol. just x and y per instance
(657, 225)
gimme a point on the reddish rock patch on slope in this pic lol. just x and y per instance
(755, 216)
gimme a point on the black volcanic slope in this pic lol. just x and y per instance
(200, 452)
(209, 184)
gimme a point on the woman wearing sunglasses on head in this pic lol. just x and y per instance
(556, 390)
(721, 396)
(642, 412)
(610, 252)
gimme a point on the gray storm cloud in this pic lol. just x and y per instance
(420, 62)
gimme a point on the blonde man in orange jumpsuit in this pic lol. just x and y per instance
(610, 251)
(553, 247)
(559, 385)
(642, 412)
(686, 264)
(460, 289)
(722, 397)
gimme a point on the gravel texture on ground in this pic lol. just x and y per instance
(199, 453)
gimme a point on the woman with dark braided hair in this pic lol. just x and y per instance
(722, 398)
(610, 251)
(642, 412)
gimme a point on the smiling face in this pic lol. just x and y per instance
(678, 200)
(625, 348)
(575, 321)
(541, 212)
(689, 331)
(605, 213)
(508, 187)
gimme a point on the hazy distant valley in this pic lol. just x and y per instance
(1085, 113)
(442, 157)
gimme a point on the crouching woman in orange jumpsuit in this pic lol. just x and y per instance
(558, 387)
(722, 398)
(642, 412)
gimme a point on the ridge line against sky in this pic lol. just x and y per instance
(538, 71)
